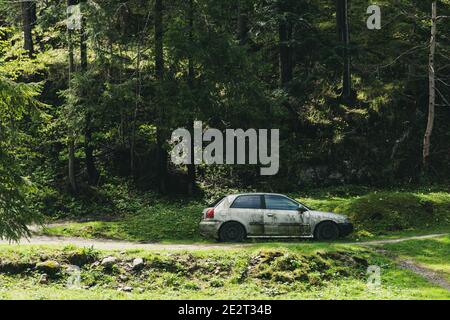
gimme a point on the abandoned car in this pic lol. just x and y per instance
(237, 217)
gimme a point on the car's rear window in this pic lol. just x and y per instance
(216, 203)
(247, 202)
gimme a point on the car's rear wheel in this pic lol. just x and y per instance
(327, 231)
(232, 232)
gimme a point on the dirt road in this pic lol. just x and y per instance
(124, 245)
(118, 245)
(430, 275)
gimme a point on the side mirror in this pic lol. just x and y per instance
(302, 210)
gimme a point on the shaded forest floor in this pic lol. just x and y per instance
(377, 214)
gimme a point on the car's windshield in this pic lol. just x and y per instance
(302, 205)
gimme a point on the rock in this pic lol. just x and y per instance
(50, 267)
(43, 279)
(138, 263)
(336, 176)
(125, 289)
(80, 258)
(123, 278)
(108, 262)
(361, 261)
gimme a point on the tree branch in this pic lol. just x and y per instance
(442, 96)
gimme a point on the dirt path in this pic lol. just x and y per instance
(387, 241)
(120, 245)
(430, 275)
(125, 245)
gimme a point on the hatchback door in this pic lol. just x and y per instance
(282, 217)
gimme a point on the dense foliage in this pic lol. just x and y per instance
(15, 214)
(141, 69)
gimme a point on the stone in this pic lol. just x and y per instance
(138, 264)
(336, 176)
(123, 278)
(50, 267)
(43, 279)
(108, 262)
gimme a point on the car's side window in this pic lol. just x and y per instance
(247, 202)
(280, 203)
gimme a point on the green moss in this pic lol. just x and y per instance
(307, 269)
(211, 269)
(384, 212)
(49, 267)
(285, 272)
(81, 256)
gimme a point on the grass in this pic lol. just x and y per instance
(433, 254)
(377, 214)
(267, 270)
(385, 212)
(162, 221)
(271, 271)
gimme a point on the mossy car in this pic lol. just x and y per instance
(237, 217)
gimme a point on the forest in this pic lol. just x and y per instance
(91, 91)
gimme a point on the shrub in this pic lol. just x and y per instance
(384, 211)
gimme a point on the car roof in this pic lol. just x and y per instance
(256, 194)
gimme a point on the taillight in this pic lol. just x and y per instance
(210, 214)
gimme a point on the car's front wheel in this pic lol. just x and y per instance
(327, 231)
(232, 232)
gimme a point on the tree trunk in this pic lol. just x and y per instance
(71, 138)
(159, 72)
(432, 88)
(72, 178)
(28, 19)
(83, 45)
(242, 23)
(344, 38)
(92, 172)
(285, 37)
(192, 174)
(159, 39)
(136, 110)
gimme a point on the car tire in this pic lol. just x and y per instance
(232, 232)
(327, 231)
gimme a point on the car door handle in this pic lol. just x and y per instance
(270, 214)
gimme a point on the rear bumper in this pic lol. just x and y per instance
(345, 229)
(210, 229)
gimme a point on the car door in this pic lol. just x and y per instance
(282, 217)
(247, 209)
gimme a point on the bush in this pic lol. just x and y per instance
(386, 211)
